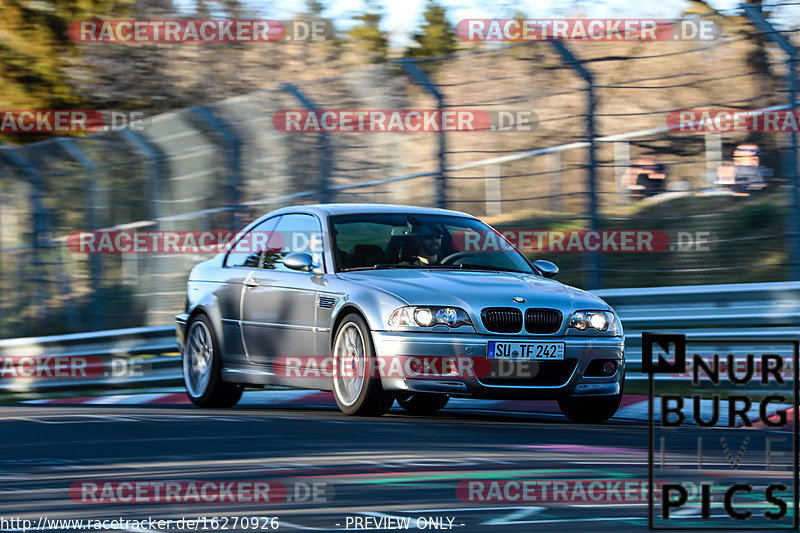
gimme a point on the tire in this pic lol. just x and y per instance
(591, 409)
(356, 382)
(420, 403)
(202, 367)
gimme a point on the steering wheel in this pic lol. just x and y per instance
(453, 259)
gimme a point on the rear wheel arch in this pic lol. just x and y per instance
(213, 318)
(197, 311)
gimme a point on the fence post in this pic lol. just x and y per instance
(153, 173)
(153, 274)
(324, 144)
(552, 161)
(420, 77)
(593, 274)
(713, 156)
(3, 202)
(38, 223)
(753, 12)
(622, 161)
(93, 221)
(493, 190)
(233, 162)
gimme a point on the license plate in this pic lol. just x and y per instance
(529, 351)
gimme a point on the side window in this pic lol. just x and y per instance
(294, 234)
(247, 252)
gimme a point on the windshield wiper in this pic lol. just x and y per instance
(434, 267)
(381, 266)
(477, 267)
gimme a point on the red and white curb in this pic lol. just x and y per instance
(633, 407)
(249, 398)
(295, 398)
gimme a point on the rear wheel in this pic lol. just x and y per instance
(420, 403)
(202, 367)
(356, 381)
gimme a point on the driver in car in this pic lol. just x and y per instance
(423, 246)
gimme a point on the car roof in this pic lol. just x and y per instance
(355, 208)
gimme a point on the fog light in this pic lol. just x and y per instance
(601, 368)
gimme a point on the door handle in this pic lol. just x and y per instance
(250, 283)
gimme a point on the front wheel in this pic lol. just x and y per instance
(202, 367)
(356, 382)
(420, 403)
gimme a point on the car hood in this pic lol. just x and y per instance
(470, 289)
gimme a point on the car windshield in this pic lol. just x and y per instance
(367, 241)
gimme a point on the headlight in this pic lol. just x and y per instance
(429, 316)
(605, 321)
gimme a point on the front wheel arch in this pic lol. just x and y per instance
(340, 316)
(370, 399)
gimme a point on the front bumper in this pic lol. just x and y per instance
(468, 351)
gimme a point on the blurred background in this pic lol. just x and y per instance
(209, 158)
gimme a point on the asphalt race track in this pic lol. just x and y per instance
(395, 466)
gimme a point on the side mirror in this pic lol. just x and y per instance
(547, 268)
(301, 262)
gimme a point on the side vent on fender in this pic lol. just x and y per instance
(326, 302)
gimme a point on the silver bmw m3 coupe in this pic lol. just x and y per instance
(379, 303)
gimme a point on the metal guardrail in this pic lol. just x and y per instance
(716, 314)
(134, 357)
(747, 305)
(761, 312)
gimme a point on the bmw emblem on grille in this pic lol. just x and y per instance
(519, 299)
